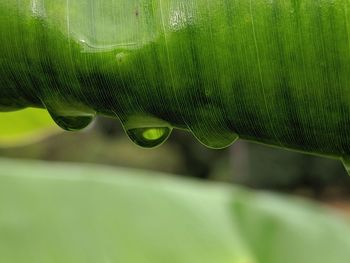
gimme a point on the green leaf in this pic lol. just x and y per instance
(276, 72)
(52, 212)
(25, 126)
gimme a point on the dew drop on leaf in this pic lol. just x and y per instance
(70, 118)
(149, 137)
(346, 163)
(212, 138)
(72, 123)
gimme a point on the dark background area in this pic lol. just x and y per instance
(249, 164)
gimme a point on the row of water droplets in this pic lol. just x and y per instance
(143, 129)
(144, 135)
(147, 135)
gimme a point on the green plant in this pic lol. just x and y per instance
(275, 72)
(272, 72)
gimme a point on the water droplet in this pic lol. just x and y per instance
(145, 130)
(72, 123)
(346, 163)
(68, 118)
(208, 125)
(149, 137)
(214, 138)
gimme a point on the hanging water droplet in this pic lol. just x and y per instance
(72, 123)
(209, 126)
(67, 117)
(216, 139)
(346, 163)
(145, 130)
(149, 137)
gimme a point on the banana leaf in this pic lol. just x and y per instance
(275, 72)
(55, 212)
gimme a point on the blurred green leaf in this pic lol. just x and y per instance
(25, 126)
(73, 213)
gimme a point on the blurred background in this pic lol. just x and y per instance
(252, 165)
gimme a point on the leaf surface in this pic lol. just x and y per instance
(276, 72)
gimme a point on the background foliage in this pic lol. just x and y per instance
(60, 212)
(73, 213)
